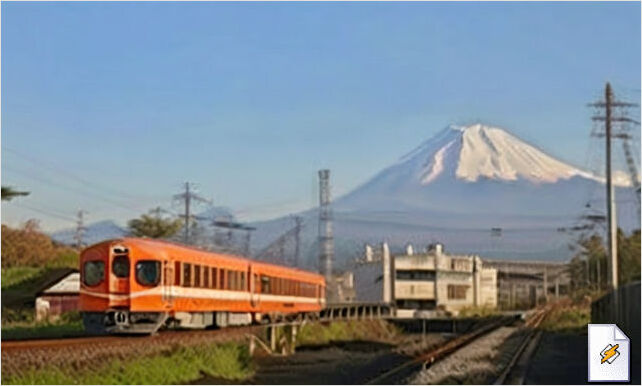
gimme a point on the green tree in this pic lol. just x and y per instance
(628, 256)
(154, 225)
(592, 256)
(9, 193)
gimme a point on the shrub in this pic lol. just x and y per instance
(28, 246)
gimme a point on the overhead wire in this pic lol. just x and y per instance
(69, 188)
(45, 212)
(66, 173)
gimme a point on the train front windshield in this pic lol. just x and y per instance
(148, 272)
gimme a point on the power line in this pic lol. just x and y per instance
(70, 189)
(61, 171)
(44, 212)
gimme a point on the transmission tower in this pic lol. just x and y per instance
(298, 223)
(633, 170)
(225, 239)
(80, 228)
(326, 239)
(187, 197)
(609, 117)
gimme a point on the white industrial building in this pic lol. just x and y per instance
(424, 283)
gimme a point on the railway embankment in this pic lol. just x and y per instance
(178, 356)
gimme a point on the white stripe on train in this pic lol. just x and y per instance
(203, 293)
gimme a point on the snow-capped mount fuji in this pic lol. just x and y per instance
(475, 170)
(480, 151)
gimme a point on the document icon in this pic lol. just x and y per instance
(608, 353)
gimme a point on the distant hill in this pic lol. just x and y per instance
(95, 232)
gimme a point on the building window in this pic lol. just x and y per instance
(460, 265)
(415, 275)
(457, 292)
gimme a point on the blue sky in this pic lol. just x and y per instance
(110, 107)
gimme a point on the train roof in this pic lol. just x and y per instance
(155, 243)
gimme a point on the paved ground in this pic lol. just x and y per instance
(560, 359)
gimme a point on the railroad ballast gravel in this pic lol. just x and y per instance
(477, 363)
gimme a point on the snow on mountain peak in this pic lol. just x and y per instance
(479, 151)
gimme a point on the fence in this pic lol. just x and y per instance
(622, 307)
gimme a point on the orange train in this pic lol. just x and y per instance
(134, 285)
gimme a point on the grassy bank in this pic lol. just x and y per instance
(15, 275)
(43, 330)
(179, 365)
(18, 326)
(571, 318)
(321, 334)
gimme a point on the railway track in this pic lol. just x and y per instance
(425, 360)
(515, 371)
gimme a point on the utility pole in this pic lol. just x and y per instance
(80, 228)
(610, 193)
(187, 198)
(608, 105)
(326, 240)
(247, 243)
(298, 221)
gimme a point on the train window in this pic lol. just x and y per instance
(214, 277)
(187, 275)
(177, 273)
(206, 277)
(120, 266)
(148, 272)
(221, 279)
(242, 281)
(93, 272)
(265, 284)
(197, 276)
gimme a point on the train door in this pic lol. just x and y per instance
(253, 279)
(119, 273)
(168, 282)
